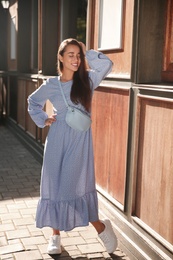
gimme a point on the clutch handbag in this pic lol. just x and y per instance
(75, 118)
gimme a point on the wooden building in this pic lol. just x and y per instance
(132, 108)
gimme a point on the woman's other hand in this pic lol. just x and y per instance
(50, 120)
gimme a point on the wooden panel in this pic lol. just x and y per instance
(148, 41)
(21, 104)
(3, 98)
(30, 86)
(154, 203)
(12, 97)
(110, 131)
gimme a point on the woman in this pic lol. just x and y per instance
(68, 194)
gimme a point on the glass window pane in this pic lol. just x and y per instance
(110, 24)
(13, 38)
(73, 19)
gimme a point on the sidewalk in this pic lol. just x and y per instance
(19, 193)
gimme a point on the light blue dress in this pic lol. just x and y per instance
(68, 196)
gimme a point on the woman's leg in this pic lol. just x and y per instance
(99, 226)
(54, 246)
(106, 234)
(56, 232)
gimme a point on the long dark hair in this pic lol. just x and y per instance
(81, 90)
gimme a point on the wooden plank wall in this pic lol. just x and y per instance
(154, 192)
(110, 133)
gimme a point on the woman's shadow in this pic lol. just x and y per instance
(65, 255)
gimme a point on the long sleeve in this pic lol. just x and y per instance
(100, 66)
(36, 102)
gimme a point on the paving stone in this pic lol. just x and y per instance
(16, 206)
(3, 188)
(11, 194)
(79, 257)
(4, 221)
(7, 257)
(73, 241)
(31, 203)
(14, 241)
(47, 232)
(95, 256)
(73, 234)
(91, 248)
(13, 211)
(91, 240)
(24, 221)
(31, 247)
(29, 255)
(36, 234)
(25, 194)
(34, 241)
(3, 210)
(7, 227)
(32, 228)
(11, 248)
(2, 234)
(17, 234)
(64, 255)
(27, 211)
(6, 202)
(3, 241)
(20, 200)
(46, 257)
(10, 216)
(68, 248)
(89, 234)
(43, 248)
(34, 194)
(64, 234)
(22, 227)
(75, 253)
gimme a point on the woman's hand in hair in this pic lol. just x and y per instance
(83, 47)
(50, 120)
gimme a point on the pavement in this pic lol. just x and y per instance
(19, 194)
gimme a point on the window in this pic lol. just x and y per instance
(110, 24)
(13, 38)
(73, 19)
(34, 36)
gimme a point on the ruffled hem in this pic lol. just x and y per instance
(66, 215)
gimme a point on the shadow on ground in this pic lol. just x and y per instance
(65, 255)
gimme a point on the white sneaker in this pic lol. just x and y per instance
(54, 246)
(108, 237)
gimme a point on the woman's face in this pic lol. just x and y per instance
(71, 58)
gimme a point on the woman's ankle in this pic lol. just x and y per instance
(56, 232)
(99, 226)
